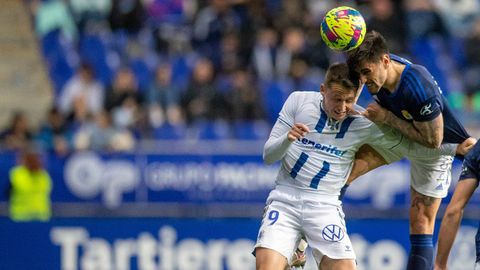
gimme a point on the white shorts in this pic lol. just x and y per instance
(429, 175)
(291, 214)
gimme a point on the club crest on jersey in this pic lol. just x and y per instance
(407, 115)
(426, 110)
(333, 233)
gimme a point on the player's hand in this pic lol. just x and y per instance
(298, 131)
(352, 111)
(465, 146)
(376, 113)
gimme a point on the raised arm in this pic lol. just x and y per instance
(284, 132)
(427, 133)
(366, 159)
(281, 137)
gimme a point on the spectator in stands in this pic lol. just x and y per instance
(300, 77)
(164, 98)
(423, 19)
(54, 134)
(166, 10)
(293, 13)
(86, 12)
(127, 15)
(293, 45)
(101, 135)
(244, 98)
(83, 86)
(472, 74)
(130, 116)
(264, 54)
(231, 55)
(18, 133)
(388, 19)
(459, 15)
(124, 85)
(211, 24)
(29, 189)
(202, 99)
(52, 15)
(78, 116)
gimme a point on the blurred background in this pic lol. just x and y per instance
(142, 123)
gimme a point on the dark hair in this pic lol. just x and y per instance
(373, 47)
(340, 74)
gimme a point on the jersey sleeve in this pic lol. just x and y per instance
(384, 136)
(287, 114)
(385, 141)
(424, 96)
(426, 110)
(278, 143)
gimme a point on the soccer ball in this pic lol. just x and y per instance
(343, 28)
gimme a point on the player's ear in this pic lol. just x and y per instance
(386, 59)
(322, 88)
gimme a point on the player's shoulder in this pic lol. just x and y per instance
(358, 121)
(305, 96)
(418, 84)
(418, 77)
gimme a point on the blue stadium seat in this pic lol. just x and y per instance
(59, 68)
(273, 99)
(180, 72)
(142, 73)
(426, 51)
(251, 130)
(93, 50)
(169, 132)
(211, 130)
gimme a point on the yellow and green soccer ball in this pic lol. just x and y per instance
(343, 28)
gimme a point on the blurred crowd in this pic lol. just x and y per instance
(127, 70)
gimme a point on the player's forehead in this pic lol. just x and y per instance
(339, 91)
(366, 65)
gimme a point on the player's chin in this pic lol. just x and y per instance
(339, 116)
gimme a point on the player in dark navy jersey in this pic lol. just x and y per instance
(466, 185)
(408, 99)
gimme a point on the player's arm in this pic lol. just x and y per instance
(281, 137)
(285, 131)
(428, 133)
(451, 220)
(366, 159)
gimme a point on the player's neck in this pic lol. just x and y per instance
(394, 75)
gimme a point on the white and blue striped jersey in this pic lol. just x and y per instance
(321, 161)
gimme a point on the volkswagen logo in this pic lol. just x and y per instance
(333, 233)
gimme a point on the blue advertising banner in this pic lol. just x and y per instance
(116, 179)
(191, 244)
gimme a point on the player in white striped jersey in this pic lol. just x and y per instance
(316, 140)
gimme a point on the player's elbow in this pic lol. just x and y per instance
(268, 159)
(434, 142)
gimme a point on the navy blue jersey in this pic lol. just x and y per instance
(471, 164)
(419, 98)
